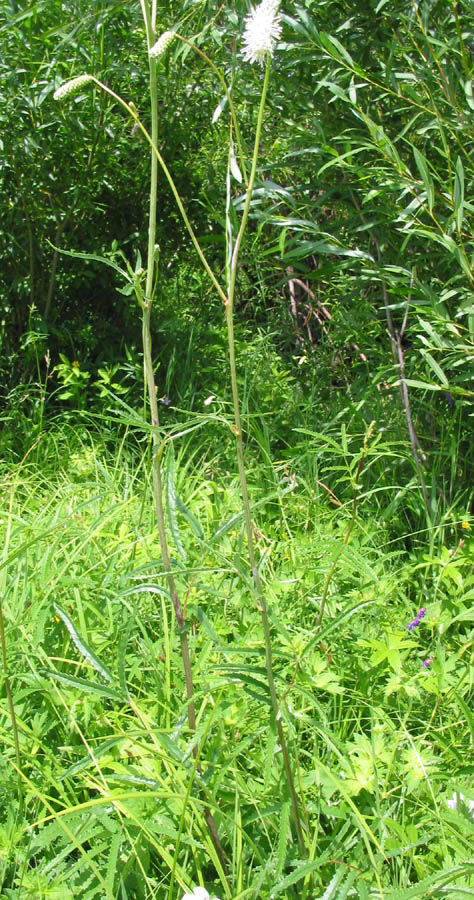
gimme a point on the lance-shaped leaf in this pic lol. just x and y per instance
(81, 645)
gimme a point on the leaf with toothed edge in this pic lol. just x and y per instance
(81, 645)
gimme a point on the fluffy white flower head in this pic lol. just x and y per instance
(262, 31)
(199, 893)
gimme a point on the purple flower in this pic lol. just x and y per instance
(416, 621)
(427, 662)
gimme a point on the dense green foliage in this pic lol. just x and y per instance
(355, 353)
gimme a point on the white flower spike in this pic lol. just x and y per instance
(162, 44)
(262, 31)
(70, 87)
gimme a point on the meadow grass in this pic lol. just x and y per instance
(112, 797)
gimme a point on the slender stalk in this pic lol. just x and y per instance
(261, 599)
(145, 301)
(157, 444)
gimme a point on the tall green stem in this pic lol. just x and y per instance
(261, 599)
(157, 444)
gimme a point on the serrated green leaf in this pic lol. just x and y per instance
(298, 874)
(171, 502)
(206, 624)
(329, 893)
(81, 645)
(231, 523)
(237, 518)
(112, 862)
(89, 687)
(432, 883)
(94, 258)
(191, 519)
(335, 623)
(87, 761)
(269, 751)
(121, 657)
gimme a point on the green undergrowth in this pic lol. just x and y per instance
(107, 799)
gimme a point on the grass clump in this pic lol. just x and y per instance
(111, 795)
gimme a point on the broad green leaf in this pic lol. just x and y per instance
(469, 93)
(307, 248)
(468, 714)
(413, 382)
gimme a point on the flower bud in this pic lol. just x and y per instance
(72, 86)
(162, 44)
